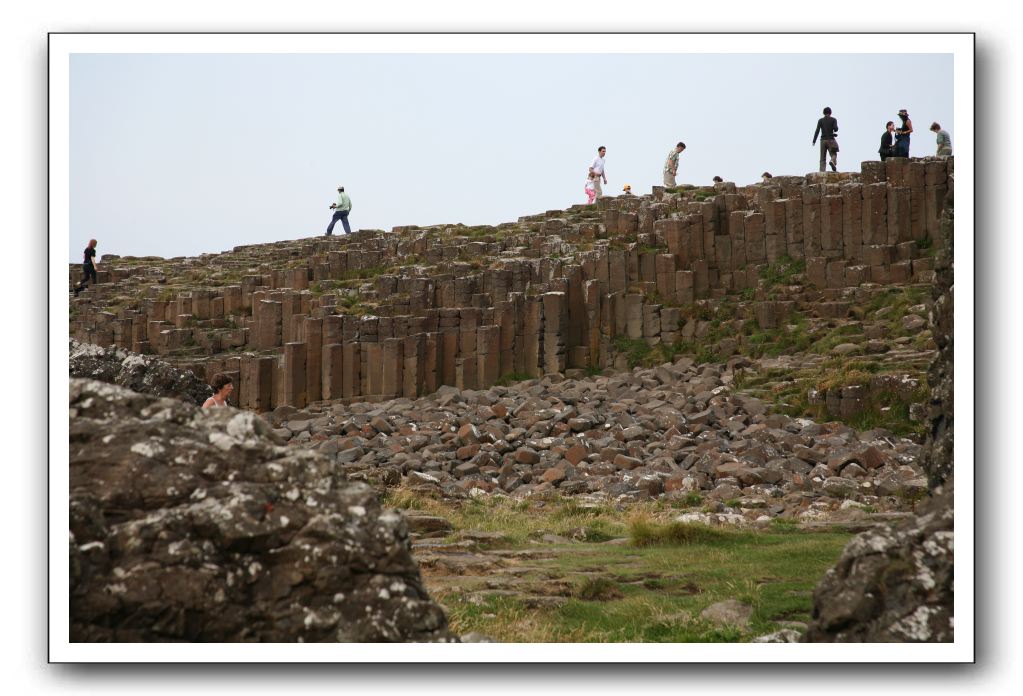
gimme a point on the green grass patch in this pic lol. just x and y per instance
(636, 350)
(651, 592)
(788, 392)
(364, 273)
(783, 271)
(511, 378)
(644, 532)
(598, 589)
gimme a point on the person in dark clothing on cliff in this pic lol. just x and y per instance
(902, 134)
(887, 148)
(89, 267)
(827, 129)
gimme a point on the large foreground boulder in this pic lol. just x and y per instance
(891, 584)
(140, 373)
(195, 525)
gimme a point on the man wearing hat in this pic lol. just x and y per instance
(626, 190)
(341, 210)
(902, 134)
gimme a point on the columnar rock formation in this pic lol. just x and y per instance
(217, 525)
(191, 524)
(897, 584)
(547, 294)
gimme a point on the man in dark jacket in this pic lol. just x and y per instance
(887, 148)
(827, 129)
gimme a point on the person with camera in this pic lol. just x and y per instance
(341, 210)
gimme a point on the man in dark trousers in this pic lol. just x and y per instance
(89, 266)
(827, 128)
(341, 210)
(887, 148)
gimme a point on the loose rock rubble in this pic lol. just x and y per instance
(197, 525)
(676, 430)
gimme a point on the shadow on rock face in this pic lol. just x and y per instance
(195, 525)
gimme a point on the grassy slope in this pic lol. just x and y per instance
(619, 591)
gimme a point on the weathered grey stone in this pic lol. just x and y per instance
(913, 323)
(785, 635)
(140, 373)
(891, 585)
(729, 613)
(845, 349)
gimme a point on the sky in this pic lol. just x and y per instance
(183, 154)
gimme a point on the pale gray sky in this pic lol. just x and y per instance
(181, 154)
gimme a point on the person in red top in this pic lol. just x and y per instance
(89, 267)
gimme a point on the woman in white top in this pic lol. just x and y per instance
(222, 388)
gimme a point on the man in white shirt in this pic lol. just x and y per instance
(597, 167)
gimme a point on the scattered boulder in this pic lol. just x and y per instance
(730, 612)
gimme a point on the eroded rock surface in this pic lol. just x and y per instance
(196, 525)
(140, 373)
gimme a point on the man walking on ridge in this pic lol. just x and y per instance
(597, 167)
(671, 165)
(827, 128)
(341, 210)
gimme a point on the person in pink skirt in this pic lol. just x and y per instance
(590, 188)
